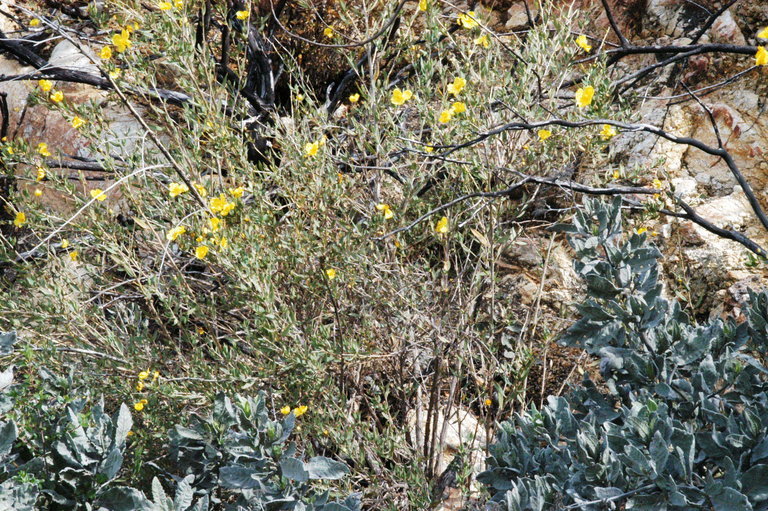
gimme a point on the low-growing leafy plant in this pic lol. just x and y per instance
(237, 459)
(679, 420)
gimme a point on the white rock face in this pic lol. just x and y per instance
(463, 431)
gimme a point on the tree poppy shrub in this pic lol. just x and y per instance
(679, 420)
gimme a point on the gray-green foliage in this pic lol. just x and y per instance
(679, 421)
(237, 459)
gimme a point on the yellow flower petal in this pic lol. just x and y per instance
(20, 219)
(243, 15)
(330, 273)
(285, 410)
(584, 96)
(201, 251)
(583, 43)
(761, 57)
(544, 134)
(442, 226)
(98, 194)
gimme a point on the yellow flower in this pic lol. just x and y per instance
(299, 98)
(64, 243)
(34, 22)
(442, 226)
(467, 20)
(608, 132)
(176, 189)
(77, 121)
(446, 116)
(201, 251)
(42, 148)
(139, 386)
(223, 243)
(200, 189)
(122, 41)
(761, 57)
(582, 43)
(215, 223)
(45, 85)
(221, 205)
(139, 405)
(429, 149)
(40, 173)
(386, 210)
(20, 220)
(178, 4)
(328, 32)
(98, 194)
(642, 230)
(584, 96)
(143, 375)
(763, 34)
(74, 255)
(616, 174)
(399, 97)
(311, 148)
(488, 402)
(457, 86)
(9, 150)
(165, 6)
(483, 41)
(657, 184)
(544, 134)
(242, 15)
(354, 98)
(285, 410)
(38, 192)
(155, 376)
(114, 74)
(422, 5)
(237, 192)
(175, 233)
(330, 273)
(300, 410)
(458, 107)
(57, 96)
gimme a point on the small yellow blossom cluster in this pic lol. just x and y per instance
(400, 97)
(467, 20)
(608, 132)
(584, 96)
(582, 43)
(122, 40)
(457, 107)
(56, 96)
(330, 273)
(386, 211)
(243, 15)
(298, 411)
(311, 148)
(544, 134)
(329, 32)
(178, 4)
(141, 384)
(442, 226)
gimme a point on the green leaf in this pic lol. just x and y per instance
(7, 340)
(238, 477)
(321, 467)
(754, 483)
(293, 469)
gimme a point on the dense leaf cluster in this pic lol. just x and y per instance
(679, 420)
(237, 459)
